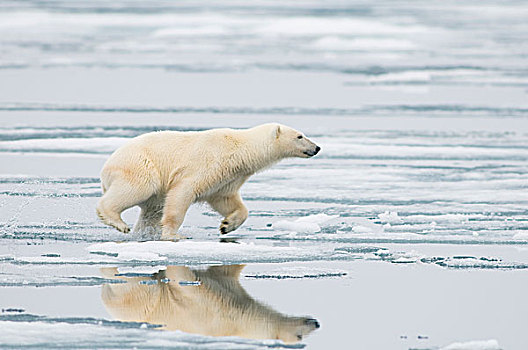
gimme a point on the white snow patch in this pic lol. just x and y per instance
(335, 43)
(190, 31)
(405, 260)
(305, 224)
(205, 252)
(409, 76)
(450, 217)
(343, 226)
(141, 269)
(521, 236)
(284, 272)
(317, 218)
(390, 217)
(301, 227)
(94, 144)
(139, 256)
(299, 26)
(99, 260)
(361, 229)
(491, 344)
(359, 225)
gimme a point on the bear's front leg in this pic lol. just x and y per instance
(232, 208)
(177, 202)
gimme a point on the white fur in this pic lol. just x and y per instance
(165, 172)
(218, 306)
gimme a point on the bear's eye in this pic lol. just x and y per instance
(299, 137)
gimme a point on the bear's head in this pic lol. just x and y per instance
(293, 143)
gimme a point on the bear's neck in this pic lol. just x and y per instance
(256, 153)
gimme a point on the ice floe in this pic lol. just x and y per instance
(491, 344)
(32, 331)
(200, 253)
(49, 280)
(294, 272)
(305, 224)
(389, 227)
(390, 217)
(77, 145)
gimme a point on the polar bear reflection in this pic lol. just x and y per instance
(218, 306)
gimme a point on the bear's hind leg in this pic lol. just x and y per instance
(150, 217)
(120, 196)
(232, 208)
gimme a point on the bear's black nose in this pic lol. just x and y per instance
(312, 322)
(317, 149)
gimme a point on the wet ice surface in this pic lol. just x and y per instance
(94, 333)
(408, 230)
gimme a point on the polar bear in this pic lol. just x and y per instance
(165, 172)
(214, 304)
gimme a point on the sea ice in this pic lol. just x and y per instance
(141, 269)
(491, 344)
(29, 331)
(293, 272)
(305, 224)
(390, 217)
(200, 253)
(301, 227)
(521, 236)
(80, 145)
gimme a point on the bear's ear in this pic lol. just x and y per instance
(277, 131)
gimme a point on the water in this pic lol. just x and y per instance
(421, 112)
